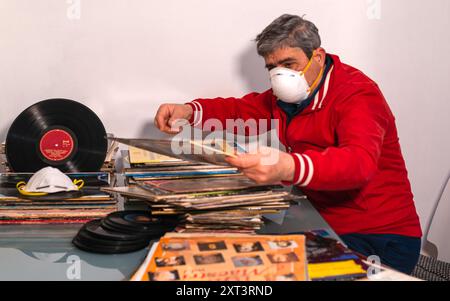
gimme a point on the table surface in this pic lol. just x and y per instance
(45, 252)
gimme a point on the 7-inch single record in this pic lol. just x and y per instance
(93, 238)
(56, 132)
(94, 229)
(139, 219)
(136, 221)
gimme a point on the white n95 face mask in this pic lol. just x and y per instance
(291, 86)
(48, 180)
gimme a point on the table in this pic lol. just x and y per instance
(45, 252)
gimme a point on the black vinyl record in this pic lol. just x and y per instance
(94, 229)
(86, 236)
(56, 132)
(139, 222)
(93, 246)
(122, 232)
(93, 238)
(156, 231)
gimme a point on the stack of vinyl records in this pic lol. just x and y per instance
(66, 135)
(145, 165)
(122, 232)
(91, 204)
(208, 198)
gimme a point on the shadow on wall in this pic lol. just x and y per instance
(149, 131)
(252, 70)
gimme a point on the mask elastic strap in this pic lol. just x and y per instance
(316, 81)
(309, 64)
(20, 187)
(79, 183)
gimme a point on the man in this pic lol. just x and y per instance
(342, 145)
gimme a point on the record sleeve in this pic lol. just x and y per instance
(224, 257)
(205, 185)
(198, 151)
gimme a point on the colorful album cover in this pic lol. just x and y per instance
(224, 257)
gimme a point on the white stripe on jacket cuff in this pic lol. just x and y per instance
(198, 113)
(310, 171)
(301, 171)
(304, 170)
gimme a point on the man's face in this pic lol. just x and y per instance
(296, 59)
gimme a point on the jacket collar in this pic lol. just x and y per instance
(320, 99)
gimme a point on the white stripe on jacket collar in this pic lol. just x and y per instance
(325, 87)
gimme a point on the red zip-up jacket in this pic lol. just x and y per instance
(346, 151)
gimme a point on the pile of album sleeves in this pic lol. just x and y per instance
(205, 197)
(91, 203)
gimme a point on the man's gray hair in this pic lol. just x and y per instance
(288, 31)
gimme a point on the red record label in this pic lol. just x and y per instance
(56, 145)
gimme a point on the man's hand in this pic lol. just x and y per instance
(168, 114)
(267, 166)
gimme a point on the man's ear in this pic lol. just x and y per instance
(321, 56)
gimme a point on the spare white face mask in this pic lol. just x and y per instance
(48, 180)
(289, 85)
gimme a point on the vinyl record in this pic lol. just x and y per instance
(94, 229)
(87, 237)
(140, 221)
(92, 238)
(56, 132)
(155, 232)
(91, 246)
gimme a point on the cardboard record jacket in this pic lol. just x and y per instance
(56, 132)
(58, 196)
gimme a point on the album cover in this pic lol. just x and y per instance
(141, 156)
(213, 152)
(207, 184)
(224, 257)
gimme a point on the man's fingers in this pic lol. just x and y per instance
(162, 119)
(162, 116)
(171, 118)
(244, 161)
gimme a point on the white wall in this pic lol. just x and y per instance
(124, 58)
